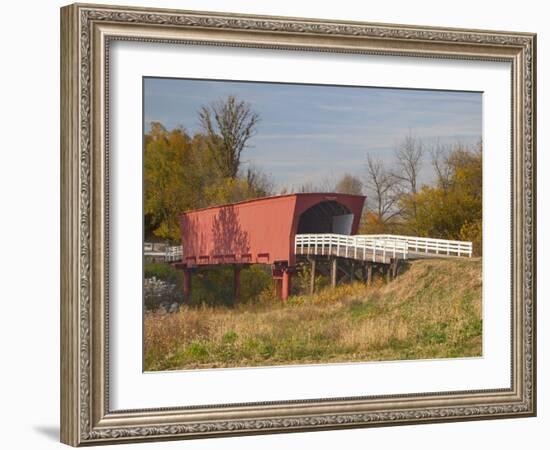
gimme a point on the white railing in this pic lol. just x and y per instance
(371, 247)
(356, 247)
(174, 253)
(428, 246)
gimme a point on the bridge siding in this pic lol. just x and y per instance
(254, 231)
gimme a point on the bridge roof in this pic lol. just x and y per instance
(315, 196)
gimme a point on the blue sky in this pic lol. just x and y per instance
(318, 133)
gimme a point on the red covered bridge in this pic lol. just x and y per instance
(263, 231)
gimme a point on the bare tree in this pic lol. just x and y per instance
(229, 124)
(409, 161)
(323, 185)
(383, 188)
(349, 184)
(441, 166)
(258, 182)
(408, 157)
(308, 186)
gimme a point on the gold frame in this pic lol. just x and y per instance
(86, 31)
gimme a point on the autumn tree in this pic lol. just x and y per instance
(229, 124)
(183, 172)
(169, 180)
(452, 208)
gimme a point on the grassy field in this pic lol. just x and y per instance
(433, 310)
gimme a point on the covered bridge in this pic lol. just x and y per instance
(263, 231)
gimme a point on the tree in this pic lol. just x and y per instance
(408, 157)
(349, 184)
(323, 185)
(259, 184)
(170, 180)
(182, 173)
(383, 191)
(441, 166)
(409, 162)
(229, 124)
(452, 209)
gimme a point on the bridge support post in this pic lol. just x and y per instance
(394, 268)
(236, 284)
(369, 274)
(286, 284)
(333, 271)
(312, 276)
(352, 271)
(186, 285)
(277, 287)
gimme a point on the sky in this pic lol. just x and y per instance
(315, 133)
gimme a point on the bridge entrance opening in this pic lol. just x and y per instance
(326, 217)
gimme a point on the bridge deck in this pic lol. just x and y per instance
(359, 254)
(382, 248)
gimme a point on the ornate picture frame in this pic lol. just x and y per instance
(87, 31)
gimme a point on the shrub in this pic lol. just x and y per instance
(255, 280)
(301, 282)
(214, 286)
(164, 272)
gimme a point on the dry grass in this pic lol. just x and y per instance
(433, 310)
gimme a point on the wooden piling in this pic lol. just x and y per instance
(395, 267)
(277, 287)
(333, 272)
(312, 276)
(286, 284)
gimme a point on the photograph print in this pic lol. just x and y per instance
(290, 224)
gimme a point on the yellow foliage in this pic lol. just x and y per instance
(180, 174)
(453, 208)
